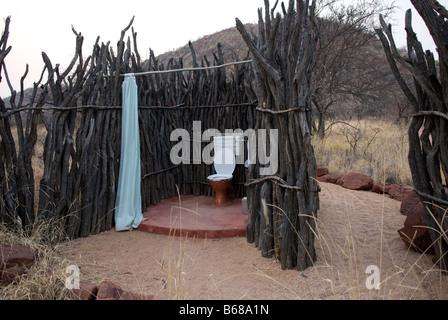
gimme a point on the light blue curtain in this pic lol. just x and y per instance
(128, 205)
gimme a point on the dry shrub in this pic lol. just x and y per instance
(376, 147)
(45, 280)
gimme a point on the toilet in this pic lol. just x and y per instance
(226, 148)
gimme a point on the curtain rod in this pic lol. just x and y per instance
(182, 70)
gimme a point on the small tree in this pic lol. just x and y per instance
(428, 131)
(348, 70)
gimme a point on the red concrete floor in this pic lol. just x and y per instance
(195, 216)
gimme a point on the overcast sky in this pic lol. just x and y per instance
(45, 25)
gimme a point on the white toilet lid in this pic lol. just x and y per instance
(224, 162)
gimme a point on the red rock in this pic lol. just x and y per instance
(14, 261)
(355, 181)
(378, 188)
(133, 296)
(16, 255)
(410, 204)
(321, 171)
(10, 274)
(334, 177)
(399, 191)
(323, 178)
(415, 234)
(107, 290)
(330, 178)
(86, 291)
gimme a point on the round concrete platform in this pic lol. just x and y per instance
(195, 216)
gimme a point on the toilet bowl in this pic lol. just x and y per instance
(224, 163)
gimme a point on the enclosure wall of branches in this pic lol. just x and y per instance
(80, 107)
(428, 131)
(82, 146)
(283, 207)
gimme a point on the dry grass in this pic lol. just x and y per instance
(45, 280)
(378, 148)
(349, 243)
(38, 155)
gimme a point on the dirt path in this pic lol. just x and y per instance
(357, 229)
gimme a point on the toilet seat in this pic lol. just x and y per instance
(219, 177)
(224, 162)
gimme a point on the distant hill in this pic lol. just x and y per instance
(231, 41)
(372, 99)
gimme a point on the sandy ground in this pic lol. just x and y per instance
(356, 229)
